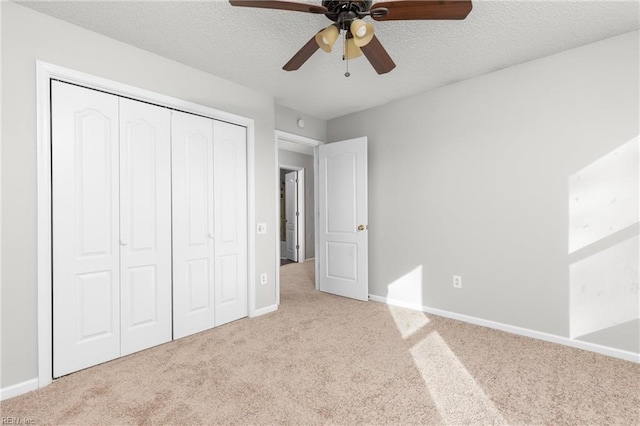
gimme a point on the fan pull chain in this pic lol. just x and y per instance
(346, 54)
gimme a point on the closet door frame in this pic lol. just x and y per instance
(45, 72)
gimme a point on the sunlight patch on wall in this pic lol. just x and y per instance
(604, 288)
(603, 197)
(459, 398)
(407, 289)
(603, 245)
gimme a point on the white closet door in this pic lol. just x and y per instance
(86, 295)
(230, 177)
(145, 225)
(291, 215)
(193, 230)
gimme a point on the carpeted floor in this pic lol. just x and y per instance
(323, 359)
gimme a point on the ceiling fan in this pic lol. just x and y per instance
(359, 37)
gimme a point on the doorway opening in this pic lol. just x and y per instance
(296, 200)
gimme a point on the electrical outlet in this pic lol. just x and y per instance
(457, 281)
(263, 279)
(262, 228)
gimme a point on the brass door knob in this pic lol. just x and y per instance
(361, 228)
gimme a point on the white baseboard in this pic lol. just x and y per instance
(593, 347)
(264, 311)
(18, 389)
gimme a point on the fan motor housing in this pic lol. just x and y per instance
(344, 12)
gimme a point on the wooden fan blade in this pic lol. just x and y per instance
(280, 4)
(423, 9)
(378, 56)
(302, 55)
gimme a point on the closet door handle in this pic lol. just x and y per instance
(123, 242)
(211, 236)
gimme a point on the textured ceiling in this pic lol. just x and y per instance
(250, 46)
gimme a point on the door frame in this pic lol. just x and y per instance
(45, 72)
(301, 211)
(303, 140)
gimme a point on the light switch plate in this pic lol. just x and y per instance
(262, 228)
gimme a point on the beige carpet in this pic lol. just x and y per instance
(322, 359)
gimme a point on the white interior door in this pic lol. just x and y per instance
(145, 225)
(85, 197)
(193, 227)
(230, 187)
(291, 215)
(342, 199)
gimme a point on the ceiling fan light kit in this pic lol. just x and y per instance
(360, 36)
(362, 32)
(327, 37)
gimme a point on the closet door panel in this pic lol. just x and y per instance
(86, 297)
(145, 225)
(193, 230)
(230, 159)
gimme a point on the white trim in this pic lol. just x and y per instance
(302, 216)
(265, 310)
(251, 218)
(553, 338)
(18, 389)
(44, 73)
(277, 220)
(316, 217)
(43, 229)
(290, 137)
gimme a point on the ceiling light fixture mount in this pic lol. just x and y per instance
(344, 11)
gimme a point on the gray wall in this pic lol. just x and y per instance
(472, 179)
(27, 36)
(287, 119)
(301, 160)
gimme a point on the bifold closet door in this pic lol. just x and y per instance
(230, 178)
(145, 225)
(209, 223)
(111, 210)
(193, 226)
(85, 204)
